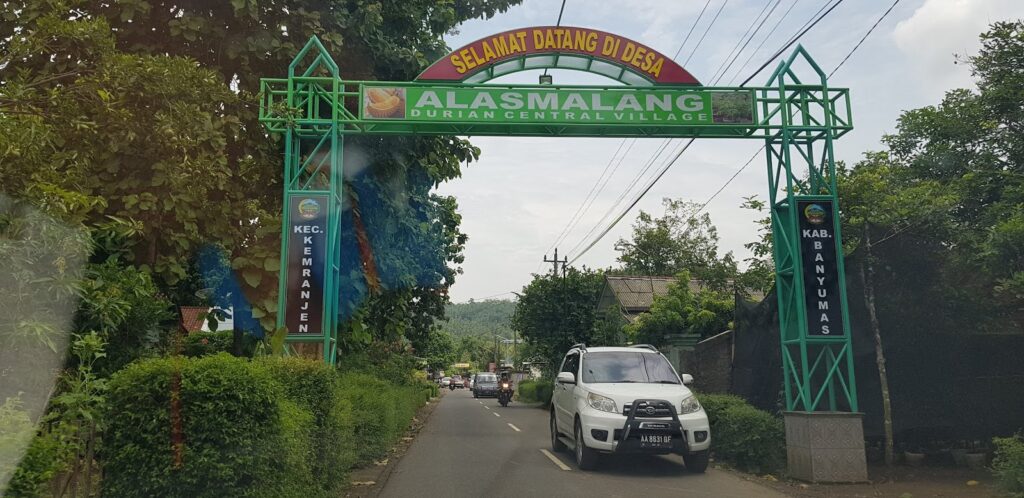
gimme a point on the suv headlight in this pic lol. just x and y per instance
(598, 402)
(689, 405)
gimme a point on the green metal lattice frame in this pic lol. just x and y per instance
(313, 165)
(798, 122)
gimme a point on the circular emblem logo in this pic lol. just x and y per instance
(815, 214)
(651, 410)
(308, 208)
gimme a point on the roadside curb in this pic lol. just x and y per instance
(378, 475)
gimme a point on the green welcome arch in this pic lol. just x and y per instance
(797, 120)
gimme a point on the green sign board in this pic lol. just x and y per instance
(539, 105)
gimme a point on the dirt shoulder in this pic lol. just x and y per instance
(898, 482)
(368, 481)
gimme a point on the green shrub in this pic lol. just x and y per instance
(527, 391)
(748, 438)
(44, 458)
(381, 412)
(715, 404)
(16, 429)
(315, 387)
(241, 437)
(535, 391)
(207, 343)
(1008, 465)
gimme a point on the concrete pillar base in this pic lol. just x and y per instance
(826, 446)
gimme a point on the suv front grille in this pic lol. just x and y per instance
(660, 409)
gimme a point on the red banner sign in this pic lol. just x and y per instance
(524, 42)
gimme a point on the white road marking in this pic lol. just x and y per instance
(497, 414)
(487, 407)
(554, 459)
(513, 427)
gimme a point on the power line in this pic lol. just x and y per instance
(561, 10)
(764, 40)
(723, 68)
(865, 37)
(633, 204)
(694, 25)
(611, 209)
(662, 172)
(727, 62)
(848, 55)
(565, 229)
(581, 210)
(705, 32)
(790, 43)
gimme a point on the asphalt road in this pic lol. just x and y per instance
(477, 448)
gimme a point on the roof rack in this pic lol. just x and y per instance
(580, 346)
(645, 346)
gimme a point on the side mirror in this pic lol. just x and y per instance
(687, 379)
(566, 378)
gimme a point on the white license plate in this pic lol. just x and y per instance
(656, 439)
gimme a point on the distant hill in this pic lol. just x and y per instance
(479, 318)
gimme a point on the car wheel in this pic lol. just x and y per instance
(556, 444)
(586, 458)
(696, 462)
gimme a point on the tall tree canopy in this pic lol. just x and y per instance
(555, 312)
(953, 178)
(680, 240)
(151, 107)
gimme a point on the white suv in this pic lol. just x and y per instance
(626, 400)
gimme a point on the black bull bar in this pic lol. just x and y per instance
(651, 417)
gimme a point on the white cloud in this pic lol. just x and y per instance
(941, 29)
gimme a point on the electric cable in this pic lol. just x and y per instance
(789, 43)
(588, 201)
(561, 10)
(706, 32)
(725, 68)
(848, 55)
(763, 41)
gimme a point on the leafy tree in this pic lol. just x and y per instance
(682, 311)
(680, 240)
(554, 312)
(151, 107)
(441, 351)
(951, 180)
(760, 272)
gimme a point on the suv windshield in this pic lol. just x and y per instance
(603, 368)
(488, 379)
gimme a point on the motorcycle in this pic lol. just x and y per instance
(505, 393)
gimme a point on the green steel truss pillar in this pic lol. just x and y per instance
(818, 373)
(313, 166)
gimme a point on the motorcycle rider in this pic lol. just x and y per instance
(504, 381)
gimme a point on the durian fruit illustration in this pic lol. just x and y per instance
(385, 102)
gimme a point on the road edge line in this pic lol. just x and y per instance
(514, 427)
(554, 459)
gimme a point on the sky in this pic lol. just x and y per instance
(517, 199)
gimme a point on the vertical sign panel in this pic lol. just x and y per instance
(818, 253)
(307, 262)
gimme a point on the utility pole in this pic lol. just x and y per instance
(555, 262)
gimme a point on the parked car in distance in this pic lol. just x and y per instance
(626, 400)
(456, 381)
(485, 384)
(446, 381)
(472, 382)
